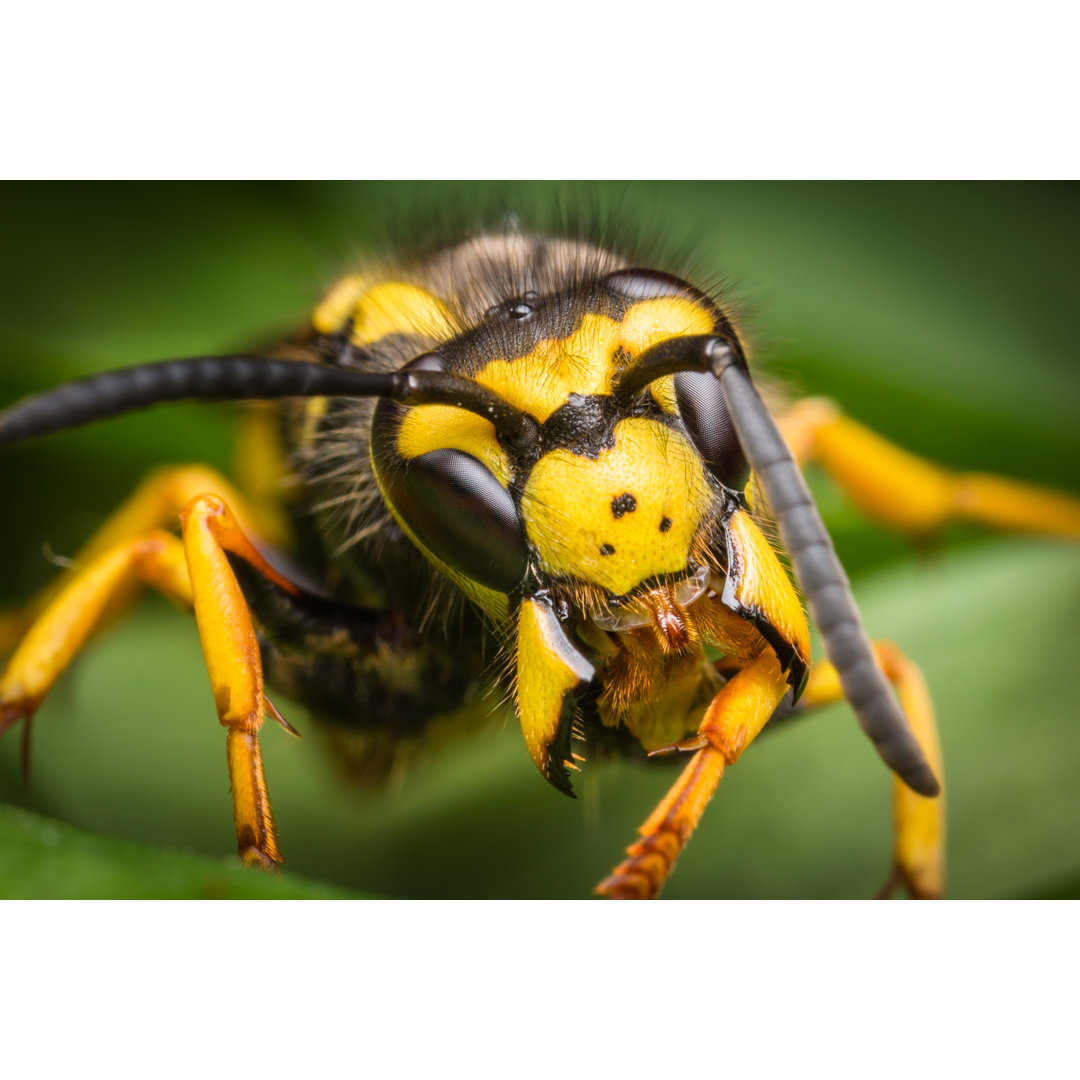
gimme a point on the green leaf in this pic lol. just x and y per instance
(939, 314)
(43, 858)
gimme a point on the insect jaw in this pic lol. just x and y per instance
(663, 606)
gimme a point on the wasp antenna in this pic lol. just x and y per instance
(823, 580)
(693, 353)
(236, 378)
(425, 387)
(113, 393)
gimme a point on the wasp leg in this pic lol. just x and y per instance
(63, 627)
(156, 503)
(910, 494)
(733, 719)
(919, 823)
(195, 572)
(13, 627)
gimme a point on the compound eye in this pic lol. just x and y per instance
(704, 413)
(429, 361)
(463, 516)
(635, 285)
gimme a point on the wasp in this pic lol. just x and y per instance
(524, 469)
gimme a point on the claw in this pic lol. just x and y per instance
(272, 711)
(886, 890)
(26, 752)
(694, 742)
(252, 856)
(11, 712)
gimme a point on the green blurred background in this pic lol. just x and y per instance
(940, 314)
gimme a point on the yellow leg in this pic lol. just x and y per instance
(13, 628)
(155, 504)
(911, 494)
(194, 572)
(919, 823)
(734, 718)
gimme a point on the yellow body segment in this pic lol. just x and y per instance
(379, 309)
(569, 513)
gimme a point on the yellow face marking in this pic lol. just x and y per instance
(444, 427)
(628, 515)
(540, 382)
(586, 361)
(376, 311)
(649, 322)
(663, 393)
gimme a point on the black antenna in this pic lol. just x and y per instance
(223, 378)
(693, 353)
(817, 568)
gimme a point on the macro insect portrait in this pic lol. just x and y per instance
(517, 504)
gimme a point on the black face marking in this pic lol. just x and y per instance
(518, 324)
(607, 549)
(623, 504)
(584, 424)
(665, 524)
